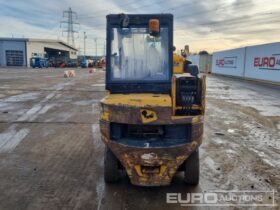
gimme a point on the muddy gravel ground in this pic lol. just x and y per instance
(51, 155)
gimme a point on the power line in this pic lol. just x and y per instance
(71, 17)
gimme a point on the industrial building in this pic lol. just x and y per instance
(19, 51)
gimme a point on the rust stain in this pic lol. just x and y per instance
(153, 166)
(163, 116)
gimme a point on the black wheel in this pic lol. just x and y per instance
(192, 169)
(111, 167)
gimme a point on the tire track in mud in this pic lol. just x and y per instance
(238, 163)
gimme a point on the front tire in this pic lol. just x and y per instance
(111, 167)
(192, 169)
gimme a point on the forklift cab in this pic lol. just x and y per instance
(138, 60)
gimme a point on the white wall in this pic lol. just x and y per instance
(263, 62)
(34, 47)
(194, 59)
(204, 62)
(229, 62)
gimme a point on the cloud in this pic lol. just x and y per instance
(209, 25)
(15, 27)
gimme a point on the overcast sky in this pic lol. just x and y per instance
(203, 25)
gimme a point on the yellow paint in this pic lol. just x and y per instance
(196, 119)
(163, 169)
(180, 117)
(180, 159)
(149, 115)
(138, 170)
(107, 92)
(128, 165)
(194, 107)
(172, 172)
(105, 116)
(138, 100)
(173, 95)
(193, 144)
(203, 93)
(178, 64)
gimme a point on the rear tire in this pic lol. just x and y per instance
(192, 169)
(111, 167)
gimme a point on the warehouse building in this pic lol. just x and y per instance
(19, 51)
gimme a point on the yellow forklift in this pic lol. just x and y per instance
(152, 115)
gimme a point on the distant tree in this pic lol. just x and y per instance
(203, 52)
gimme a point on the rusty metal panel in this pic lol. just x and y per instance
(167, 159)
(132, 115)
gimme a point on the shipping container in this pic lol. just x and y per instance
(263, 62)
(229, 62)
